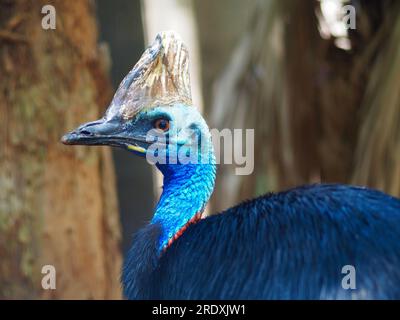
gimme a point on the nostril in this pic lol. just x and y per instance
(85, 132)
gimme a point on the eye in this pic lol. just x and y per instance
(161, 124)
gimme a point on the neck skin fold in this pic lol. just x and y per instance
(186, 191)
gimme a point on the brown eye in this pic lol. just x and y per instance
(161, 124)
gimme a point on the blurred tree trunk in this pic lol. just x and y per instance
(377, 156)
(57, 203)
(320, 113)
(221, 24)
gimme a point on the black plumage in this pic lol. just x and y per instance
(288, 245)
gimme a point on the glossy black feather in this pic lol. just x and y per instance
(288, 245)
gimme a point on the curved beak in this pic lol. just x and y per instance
(104, 132)
(99, 132)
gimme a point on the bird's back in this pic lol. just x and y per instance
(288, 245)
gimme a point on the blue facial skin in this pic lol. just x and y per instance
(186, 186)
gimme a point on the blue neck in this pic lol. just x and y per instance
(186, 190)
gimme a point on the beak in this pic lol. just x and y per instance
(96, 133)
(103, 132)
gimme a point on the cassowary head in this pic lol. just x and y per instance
(151, 113)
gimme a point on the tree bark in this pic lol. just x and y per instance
(57, 203)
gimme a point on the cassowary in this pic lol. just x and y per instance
(288, 245)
